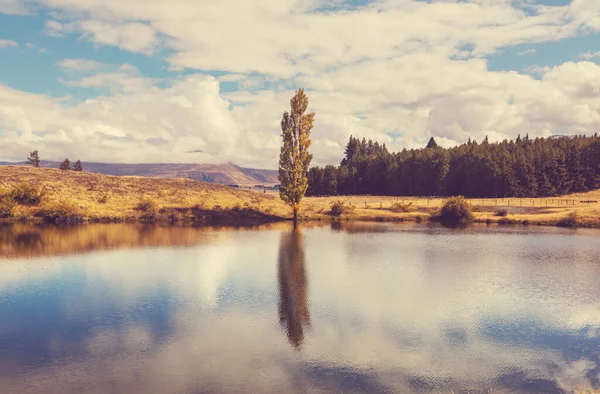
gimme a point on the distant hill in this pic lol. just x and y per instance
(224, 174)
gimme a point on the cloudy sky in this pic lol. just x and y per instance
(160, 81)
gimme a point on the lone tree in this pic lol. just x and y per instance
(34, 159)
(78, 166)
(295, 159)
(65, 165)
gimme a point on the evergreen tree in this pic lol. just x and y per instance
(78, 166)
(521, 168)
(34, 159)
(295, 158)
(330, 181)
(432, 143)
(65, 165)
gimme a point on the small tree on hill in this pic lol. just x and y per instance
(65, 165)
(295, 159)
(34, 159)
(78, 166)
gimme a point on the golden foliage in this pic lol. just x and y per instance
(294, 159)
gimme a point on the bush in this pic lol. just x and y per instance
(61, 212)
(26, 194)
(501, 212)
(402, 208)
(7, 207)
(456, 209)
(147, 205)
(571, 220)
(339, 208)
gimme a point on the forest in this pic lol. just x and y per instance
(524, 167)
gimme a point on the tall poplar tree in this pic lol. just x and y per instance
(295, 159)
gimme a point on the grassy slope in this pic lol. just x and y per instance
(215, 173)
(124, 194)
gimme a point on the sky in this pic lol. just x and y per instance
(203, 81)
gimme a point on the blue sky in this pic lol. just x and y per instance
(217, 77)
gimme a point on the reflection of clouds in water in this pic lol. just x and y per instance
(387, 320)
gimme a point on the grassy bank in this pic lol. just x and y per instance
(49, 195)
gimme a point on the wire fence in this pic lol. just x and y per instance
(374, 202)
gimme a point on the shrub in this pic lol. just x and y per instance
(456, 209)
(26, 194)
(147, 205)
(340, 207)
(571, 220)
(60, 212)
(402, 208)
(501, 212)
(7, 207)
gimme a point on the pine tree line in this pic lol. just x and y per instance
(524, 167)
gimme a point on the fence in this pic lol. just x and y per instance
(374, 202)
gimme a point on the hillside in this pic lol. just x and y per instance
(111, 198)
(224, 174)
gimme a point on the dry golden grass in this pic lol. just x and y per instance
(118, 198)
(544, 211)
(102, 197)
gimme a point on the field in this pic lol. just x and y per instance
(98, 197)
(545, 211)
(109, 198)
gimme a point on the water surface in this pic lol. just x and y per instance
(343, 308)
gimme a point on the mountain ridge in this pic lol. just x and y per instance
(224, 174)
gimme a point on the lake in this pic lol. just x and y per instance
(342, 308)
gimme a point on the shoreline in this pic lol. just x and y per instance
(249, 218)
(68, 197)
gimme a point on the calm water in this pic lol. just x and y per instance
(351, 308)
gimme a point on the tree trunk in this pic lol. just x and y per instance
(295, 218)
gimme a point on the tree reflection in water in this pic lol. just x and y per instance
(294, 314)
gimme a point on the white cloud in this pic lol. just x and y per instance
(133, 37)
(8, 44)
(590, 55)
(13, 7)
(57, 29)
(526, 52)
(414, 69)
(138, 122)
(79, 65)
